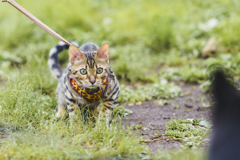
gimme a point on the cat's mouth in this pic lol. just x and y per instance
(92, 87)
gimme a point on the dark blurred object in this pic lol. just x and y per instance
(225, 142)
(210, 48)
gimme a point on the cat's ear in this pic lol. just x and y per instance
(102, 53)
(75, 54)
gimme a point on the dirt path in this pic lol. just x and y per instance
(153, 116)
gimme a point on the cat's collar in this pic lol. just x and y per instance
(91, 91)
(89, 95)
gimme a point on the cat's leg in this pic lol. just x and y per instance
(73, 109)
(61, 104)
(110, 98)
(62, 108)
(61, 111)
(106, 112)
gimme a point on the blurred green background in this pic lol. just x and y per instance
(145, 36)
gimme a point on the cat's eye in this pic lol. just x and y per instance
(83, 71)
(99, 70)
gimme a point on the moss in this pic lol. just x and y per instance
(188, 131)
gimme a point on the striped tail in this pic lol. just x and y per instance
(53, 58)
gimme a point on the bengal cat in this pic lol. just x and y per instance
(87, 80)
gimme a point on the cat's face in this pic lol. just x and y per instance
(89, 71)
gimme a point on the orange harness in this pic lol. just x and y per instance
(90, 95)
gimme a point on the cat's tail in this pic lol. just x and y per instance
(53, 58)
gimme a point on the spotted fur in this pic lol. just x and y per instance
(68, 99)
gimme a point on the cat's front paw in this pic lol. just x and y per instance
(103, 119)
(61, 111)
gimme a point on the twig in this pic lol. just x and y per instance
(155, 139)
(36, 20)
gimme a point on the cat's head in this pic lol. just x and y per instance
(89, 70)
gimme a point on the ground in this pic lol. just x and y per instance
(153, 117)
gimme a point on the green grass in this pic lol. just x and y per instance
(182, 155)
(158, 90)
(27, 116)
(152, 44)
(51, 140)
(191, 131)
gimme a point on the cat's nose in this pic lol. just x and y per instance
(92, 81)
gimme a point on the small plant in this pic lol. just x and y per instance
(162, 102)
(190, 131)
(207, 104)
(137, 126)
(176, 106)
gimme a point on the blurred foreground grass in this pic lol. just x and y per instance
(150, 42)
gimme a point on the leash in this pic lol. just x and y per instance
(36, 20)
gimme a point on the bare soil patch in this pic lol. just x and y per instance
(153, 116)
